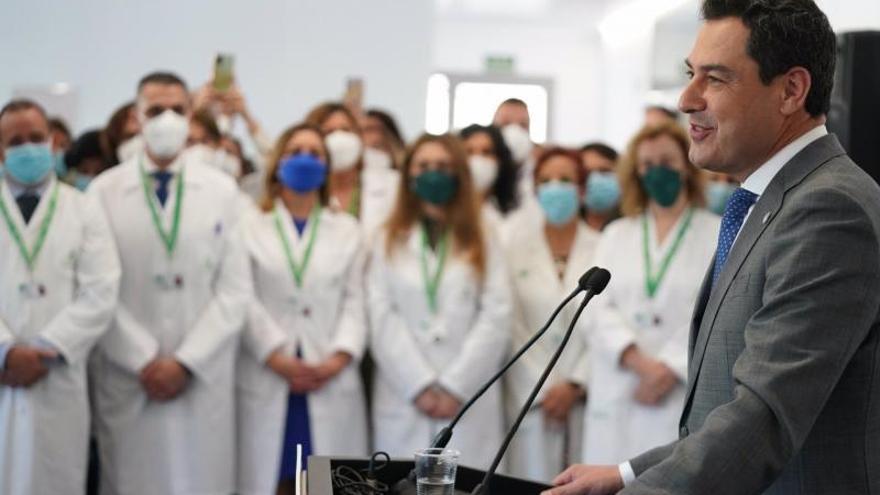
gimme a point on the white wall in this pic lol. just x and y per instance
(563, 47)
(289, 55)
(852, 15)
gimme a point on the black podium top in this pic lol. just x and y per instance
(320, 480)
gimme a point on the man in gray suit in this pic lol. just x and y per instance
(784, 378)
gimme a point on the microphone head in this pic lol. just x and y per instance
(596, 280)
(585, 278)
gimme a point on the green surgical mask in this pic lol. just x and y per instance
(435, 187)
(662, 184)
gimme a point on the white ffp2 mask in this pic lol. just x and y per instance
(165, 134)
(344, 148)
(484, 170)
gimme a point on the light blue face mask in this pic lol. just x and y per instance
(603, 192)
(717, 195)
(60, 164)
(82, 182)
(559, 200)
(29, 163)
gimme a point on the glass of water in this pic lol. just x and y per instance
(435, 471)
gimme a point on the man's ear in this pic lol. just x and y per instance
(796, 87)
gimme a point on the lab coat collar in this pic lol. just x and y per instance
(9, 198)
(298, 243)
(132, 180)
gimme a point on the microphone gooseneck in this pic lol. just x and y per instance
(441, 440)
(593, 284)
(445, 435)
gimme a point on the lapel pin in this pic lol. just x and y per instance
(766, 217)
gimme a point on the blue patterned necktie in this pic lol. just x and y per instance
(734, 214)
(162, 179)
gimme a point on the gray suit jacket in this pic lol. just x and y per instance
(784, 376)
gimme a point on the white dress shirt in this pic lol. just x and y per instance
(756, 183)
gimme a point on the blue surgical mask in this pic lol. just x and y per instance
(559, 200)
(302, 173)
(717, 195)
(603, 192)
(29, 163)
(60, 164)
(82, 182)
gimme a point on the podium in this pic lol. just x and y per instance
(320, 480)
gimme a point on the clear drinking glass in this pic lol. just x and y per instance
(435, 471)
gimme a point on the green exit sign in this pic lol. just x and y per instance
(503, 64)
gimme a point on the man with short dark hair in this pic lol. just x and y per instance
(784, 374)
(59, 278)
(164, 373)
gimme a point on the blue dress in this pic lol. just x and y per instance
(297, 429)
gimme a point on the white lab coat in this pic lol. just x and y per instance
(186, 445)
(44, 429)
(378, 193)
(542, 448)
(493, 219)
(459, 347)
(618, 426)
(322, 317)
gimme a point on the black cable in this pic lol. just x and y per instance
(350, 481)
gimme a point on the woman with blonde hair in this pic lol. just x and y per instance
(366, 192)
(439, 309)
(638, 330)
(298, 380)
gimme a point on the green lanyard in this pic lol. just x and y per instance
(432, 282)
(30, 257)
(354, 204)
(298, 269)
(652, 280)
(169, 239)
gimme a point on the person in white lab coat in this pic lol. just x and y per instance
(298, 378)
(493, 171)
(545, 260)
(512, 118)
(164, 372)
(59, 279)
(439, 304)
(362, 183)
(638, 331)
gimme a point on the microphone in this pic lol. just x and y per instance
(441, 440)
(445, 435)
(593, 283)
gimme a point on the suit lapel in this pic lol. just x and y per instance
(762, 215)
(700, 308)
(765, 209)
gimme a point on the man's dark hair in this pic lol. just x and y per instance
(602, 149)
(786, 34)
(167, 78)
(22, 104)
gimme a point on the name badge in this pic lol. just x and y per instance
(169, 281)
(32, 290)
(647, 319)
